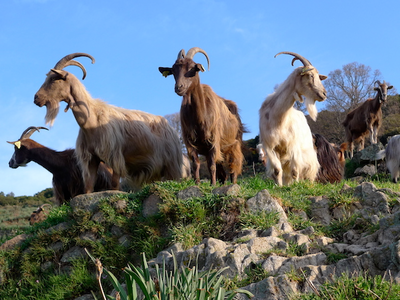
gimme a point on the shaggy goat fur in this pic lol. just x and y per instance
(211, 125)
(67, 176)
(139, 146)
(366, 119)
(284, 132)
(331, 160)
(392, 154)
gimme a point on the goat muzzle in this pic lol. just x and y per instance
(37, 101)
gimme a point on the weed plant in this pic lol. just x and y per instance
(361, 287)
(180, 284)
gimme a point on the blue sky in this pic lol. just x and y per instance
(131, 39)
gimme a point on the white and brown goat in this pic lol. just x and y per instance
(138, 146)
(67, 176)
(211, 125)
(366, 119)
(284, 132)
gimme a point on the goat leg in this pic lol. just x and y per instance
(212, 168)
(196, 163)
(90, 176)
(220, 173)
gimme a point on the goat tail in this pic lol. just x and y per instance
(380, 155)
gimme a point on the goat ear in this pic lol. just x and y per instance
(390, 87)
(200, 67)
(18, 144)
(165, 71)
(322, 77)
(61, 73)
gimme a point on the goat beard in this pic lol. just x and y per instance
(52, 112)
(311, 108)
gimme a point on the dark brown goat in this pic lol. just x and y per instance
(366, 119)
(211, 125)
(67, 176)
(38, 215)
(330, 158)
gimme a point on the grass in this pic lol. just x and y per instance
(184, 221)
(355, 287)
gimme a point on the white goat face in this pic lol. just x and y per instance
(311, 84)
(382, 90)
(312, 89)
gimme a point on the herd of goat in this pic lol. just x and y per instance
(117, 144)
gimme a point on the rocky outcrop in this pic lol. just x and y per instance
(377, 253)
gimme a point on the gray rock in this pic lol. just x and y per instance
(263, 244)
(192, 191)
(227, 190)
(320, 210)
(59, 227)
(99, 217)
(88, 236)
(73, 253)
(150, 206)
(90, 202)
(273, 263)
(264, 201)
(368, 170)
(56, 247)
(15, 242)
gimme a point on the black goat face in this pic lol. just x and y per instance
(19, 158)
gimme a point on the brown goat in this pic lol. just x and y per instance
(136, 145)
(366, 119)
(38, 215)
(330, 158)
(211, 125)
(67, 177)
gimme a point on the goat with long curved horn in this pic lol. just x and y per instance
(284, 132)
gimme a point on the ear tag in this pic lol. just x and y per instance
(18, 144)
(165, 73)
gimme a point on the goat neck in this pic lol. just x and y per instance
(33, 151)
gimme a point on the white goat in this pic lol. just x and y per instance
(392, 154)
(137, 145)
(284, 132)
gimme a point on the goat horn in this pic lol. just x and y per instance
(192, 51)
(46, 204)
(29, 131)
(67, 61)
(377, 82)
(305, 61)
(181, 54)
